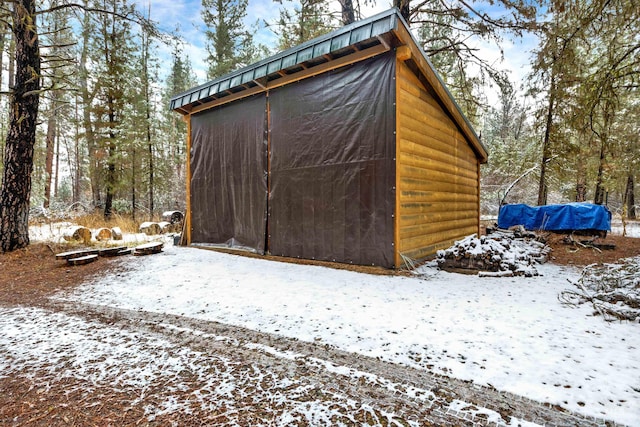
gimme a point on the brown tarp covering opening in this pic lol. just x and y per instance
(228, 175)
(332, 165)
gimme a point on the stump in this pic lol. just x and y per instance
(77, 233)
(82, 260)
(116, 233)
(150, 228)
(104, 234)
(172, 216)
(148, 248)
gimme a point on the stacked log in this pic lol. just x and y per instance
(150, 228)
(77, 233)
(499, 254)
(104, 234)
(116, 233)
(166, 227)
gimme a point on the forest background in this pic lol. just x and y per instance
(563, 128)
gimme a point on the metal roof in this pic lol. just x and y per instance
(381, 29)
(349, 39)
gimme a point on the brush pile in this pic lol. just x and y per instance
(612, 289)
(501, 253)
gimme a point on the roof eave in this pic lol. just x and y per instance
(436, 82)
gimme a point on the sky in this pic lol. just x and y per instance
(185, 16)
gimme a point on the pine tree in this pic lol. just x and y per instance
(296, 25)
(229, 44)
(57, 68)
(180, 78)
(114, 54)
(19, 145)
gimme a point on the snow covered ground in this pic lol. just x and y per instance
(510, 333)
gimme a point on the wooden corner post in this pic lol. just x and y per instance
(187, 221)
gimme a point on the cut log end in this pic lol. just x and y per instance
(104, 234)
(77, 234)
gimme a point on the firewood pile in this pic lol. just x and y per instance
(612, 289)
(501, 253)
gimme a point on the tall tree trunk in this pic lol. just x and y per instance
(581, 182)
(151, 165)
(87, 98)
(405, 10)
(24, 101)
(599, 196)
(77, 168)
(134, 173)
(50, 147)
(546, 146)
(348, 14)
(3, 38)
(630, 198)
(147, 105)
(56, 169)
(111, 161)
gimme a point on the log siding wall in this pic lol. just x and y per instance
(437, 173)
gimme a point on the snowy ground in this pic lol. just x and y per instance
(510, 333)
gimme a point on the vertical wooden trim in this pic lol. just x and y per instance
(188, 215)
(396, 213)
(478, 196)
(267, 246)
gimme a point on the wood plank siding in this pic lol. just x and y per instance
(437, 173)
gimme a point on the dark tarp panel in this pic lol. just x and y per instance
(332, 165)
(228, 175)
(567, 217)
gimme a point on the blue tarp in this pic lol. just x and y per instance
(567, 217)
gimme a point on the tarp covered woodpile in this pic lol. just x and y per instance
(565, 217)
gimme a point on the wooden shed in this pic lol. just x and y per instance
(347, 148)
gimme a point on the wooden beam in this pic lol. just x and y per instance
(396, 212)
(187, 220)
(403, 53)
(384, 42)
(301, 75)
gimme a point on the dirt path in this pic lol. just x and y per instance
(242, 377)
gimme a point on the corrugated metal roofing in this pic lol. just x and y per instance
(353, 37)
(381, 29)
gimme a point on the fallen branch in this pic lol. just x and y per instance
(612, 289)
